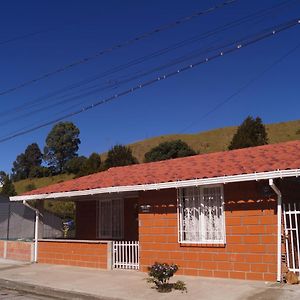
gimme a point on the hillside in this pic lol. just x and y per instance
(28, 184)
(218, 139)
(202, 142)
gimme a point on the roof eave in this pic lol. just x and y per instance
(163, 185)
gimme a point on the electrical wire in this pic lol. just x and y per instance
(188, 57)
(118, 46)
(243, 87)
(259, 14)
(253, 40)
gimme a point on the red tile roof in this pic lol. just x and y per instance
(266, 158)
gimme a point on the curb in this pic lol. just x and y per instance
(49, 292)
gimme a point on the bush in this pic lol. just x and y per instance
(30, 187)
(74, 165)
(169, 150)
(160, 274)
(39, 172)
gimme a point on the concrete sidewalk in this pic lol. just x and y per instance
(82, 283)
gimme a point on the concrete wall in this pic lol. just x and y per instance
(17, 250)
(81, 254)
(251, 234)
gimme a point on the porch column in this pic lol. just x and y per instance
(40, 205)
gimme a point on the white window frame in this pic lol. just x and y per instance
(115, 219)
(198, 221)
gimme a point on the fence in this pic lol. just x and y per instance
(17, 222)
(292, 231)
(126, 255)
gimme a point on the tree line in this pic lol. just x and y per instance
(60, 154)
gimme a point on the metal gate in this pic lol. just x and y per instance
(125, 255)
(291, 214)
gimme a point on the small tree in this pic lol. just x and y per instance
(2, 177)
(90, 165)
(168, 150)
(8, 188)
(62, 144)
(26, 162)
(75, 164)
(119, 155)
(250, 133)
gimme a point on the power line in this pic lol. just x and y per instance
(243, 87)
(259, 14)
(255, 39)
(24, 36)
(118, 46)
(174, 62)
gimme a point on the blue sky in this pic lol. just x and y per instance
(71, 30)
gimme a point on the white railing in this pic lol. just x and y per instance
(291, 214)
(125, 255)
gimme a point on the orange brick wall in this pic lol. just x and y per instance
(251, 234)
(17, 250)
(91, 255)
(2, 249)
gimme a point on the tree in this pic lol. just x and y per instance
(8, 188)
(119, 155)
(2, 178)
(168, 150)
(39, 171)
(75, 164)
(62, 144)
(90, 165)
(27, 161)
(250, 133)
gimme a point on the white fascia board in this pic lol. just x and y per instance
(164, 185)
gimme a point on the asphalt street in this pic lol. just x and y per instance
(14, 294)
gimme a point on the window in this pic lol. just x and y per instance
(110, 219)
(201, 215)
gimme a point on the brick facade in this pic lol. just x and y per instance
(250, 251)
(81, 254)
(17, 250)
(251, 235)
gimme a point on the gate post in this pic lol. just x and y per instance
(109, 255)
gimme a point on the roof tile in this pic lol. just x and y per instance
(242, 161)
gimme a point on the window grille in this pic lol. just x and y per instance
(110, 219)
(201, 215)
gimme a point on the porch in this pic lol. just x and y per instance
(105, 234)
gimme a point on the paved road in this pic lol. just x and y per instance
(18, 295)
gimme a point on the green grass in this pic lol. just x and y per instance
(21, 186)
(202, 142)
(217, 139)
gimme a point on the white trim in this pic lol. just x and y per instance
(187, 235)
(279, 216)
(36, 230)
(164, 185)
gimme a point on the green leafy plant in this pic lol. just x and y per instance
(160, 274)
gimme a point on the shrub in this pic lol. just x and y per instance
(30, 187)
(160, 274)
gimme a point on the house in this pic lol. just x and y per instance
(231, 214)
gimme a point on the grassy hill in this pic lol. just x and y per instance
(203, 142)
(217, 139)
(28, 184)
